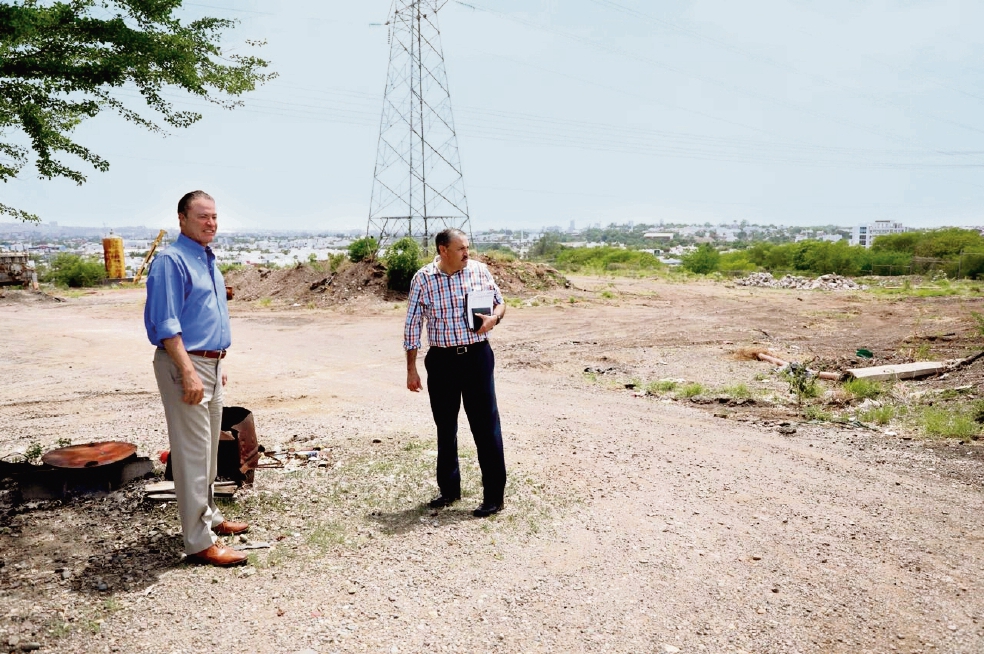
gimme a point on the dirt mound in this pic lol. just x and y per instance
(312, 285)
(8, 296)
(524, 277)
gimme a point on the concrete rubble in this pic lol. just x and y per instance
(830, 282)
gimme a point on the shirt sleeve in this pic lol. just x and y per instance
(415, 316)
(497, 300)
(165, 299)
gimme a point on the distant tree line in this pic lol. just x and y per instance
(957, 252)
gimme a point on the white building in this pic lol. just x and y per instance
(865, 234)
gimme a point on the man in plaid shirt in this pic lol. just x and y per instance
(459, 365)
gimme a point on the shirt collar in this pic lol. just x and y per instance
(188, 244)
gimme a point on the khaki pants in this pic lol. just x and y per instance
(193, 431)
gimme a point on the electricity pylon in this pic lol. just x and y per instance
(418, 188)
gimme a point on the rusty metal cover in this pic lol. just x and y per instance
(89, 455)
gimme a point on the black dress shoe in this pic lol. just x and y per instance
(442, 501)
(485, 509)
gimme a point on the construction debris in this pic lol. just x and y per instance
(831, 282)
(776, 361)
(901, 371)
(163, 491)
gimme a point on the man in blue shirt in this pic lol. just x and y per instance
(187, 318)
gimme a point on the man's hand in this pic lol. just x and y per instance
(225, 378)
(194, 391)
(413, 377)
(191, 383)
(413, 380)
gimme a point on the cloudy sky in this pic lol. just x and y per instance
(592, 111)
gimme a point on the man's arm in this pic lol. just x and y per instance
(194, 390)
(413, 377)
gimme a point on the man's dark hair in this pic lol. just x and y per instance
(191, 197)
(444, 237)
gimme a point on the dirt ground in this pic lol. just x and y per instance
(633, 523)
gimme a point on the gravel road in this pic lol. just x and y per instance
(633, 524)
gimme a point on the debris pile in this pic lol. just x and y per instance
(832, 282)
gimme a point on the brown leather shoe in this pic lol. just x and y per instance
(218, 555)
(227, 528)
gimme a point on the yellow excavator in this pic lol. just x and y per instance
(150, 255)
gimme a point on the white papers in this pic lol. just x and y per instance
(478, 302)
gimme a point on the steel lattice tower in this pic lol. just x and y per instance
(418, 188)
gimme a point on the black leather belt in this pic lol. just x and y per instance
(460, 349)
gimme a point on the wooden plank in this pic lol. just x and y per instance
(901, 371)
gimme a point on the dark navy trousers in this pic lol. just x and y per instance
(453, 378)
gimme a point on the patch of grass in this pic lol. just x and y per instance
(661, 386)
(977, 411)
(265, 302)
(278, 555)
(737, 391)
(820, 414)
(112, 605)
(954, 393)
(978, 322)
(691, 389)
(922, 352)
(949, 422)
(326, 535)
(760, 376)
(265, 501)
(864, 388)
(881, 415)
(514, 302)
(608, 295)
(59, 629)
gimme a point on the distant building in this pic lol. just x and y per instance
(810, 235)
(864, 235)
(660, 236)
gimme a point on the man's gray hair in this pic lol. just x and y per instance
(444, 237)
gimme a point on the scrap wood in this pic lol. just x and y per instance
(776, 361)
(963, 363)
(163, 491)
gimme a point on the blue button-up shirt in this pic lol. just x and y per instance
(186, 295)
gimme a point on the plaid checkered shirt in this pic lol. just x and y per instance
(440, 298)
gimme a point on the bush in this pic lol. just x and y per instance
(605, 259)
(736, 261)
(229, 267)
(73, 271)
(702, 261)
(363, 249)
(402, 263)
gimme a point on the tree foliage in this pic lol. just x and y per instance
(604, 259)
(402, 263)
(703, 260)
(362, 249)
(73, 271)
(66, 61)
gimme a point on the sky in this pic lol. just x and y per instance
(593, 111)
